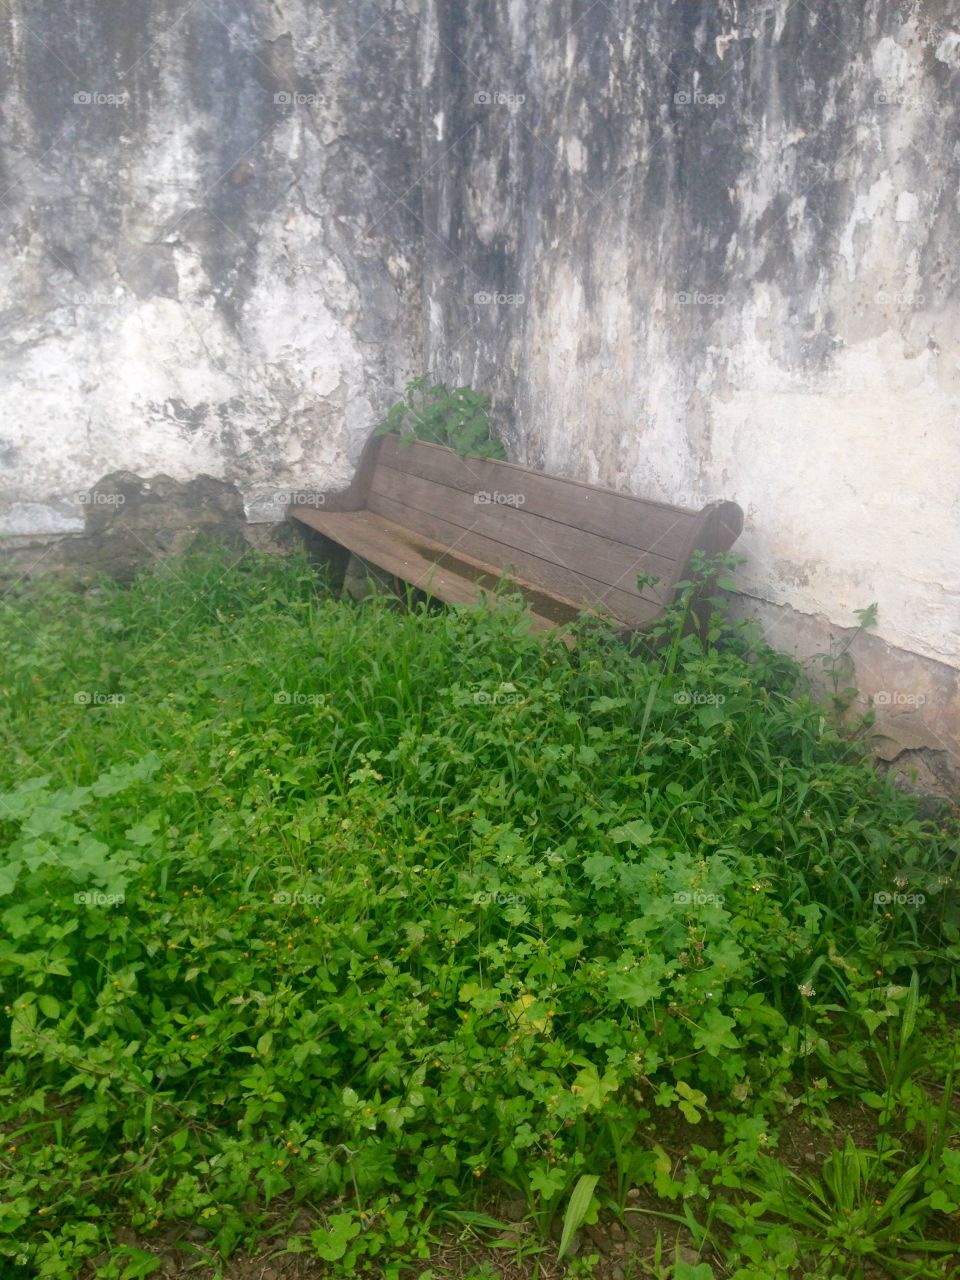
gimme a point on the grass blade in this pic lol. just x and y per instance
(577, 1209)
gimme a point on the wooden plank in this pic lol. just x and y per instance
(457, 580)
(501, 533)
(647, 526)
(625, 605)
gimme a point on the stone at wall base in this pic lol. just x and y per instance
(915, 699)
(133, 522)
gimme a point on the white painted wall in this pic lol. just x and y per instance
(755, 299)
(210, 273)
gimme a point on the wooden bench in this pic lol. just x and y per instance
(454, 527)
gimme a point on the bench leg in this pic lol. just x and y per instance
(363, 578)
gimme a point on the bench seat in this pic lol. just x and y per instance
(430, 566)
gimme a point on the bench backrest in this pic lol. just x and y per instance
(574, 540)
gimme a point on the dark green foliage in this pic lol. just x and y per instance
(459, 419)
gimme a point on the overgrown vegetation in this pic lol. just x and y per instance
(459, 419)
(330, 923)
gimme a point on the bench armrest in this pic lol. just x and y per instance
(354, 496)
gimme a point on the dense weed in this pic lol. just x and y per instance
(376, 911)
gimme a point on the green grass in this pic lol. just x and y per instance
(369, 914)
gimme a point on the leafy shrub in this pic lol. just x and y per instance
(459, 419)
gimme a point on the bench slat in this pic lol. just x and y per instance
(647, 526)
(629, 606)
(496, 534)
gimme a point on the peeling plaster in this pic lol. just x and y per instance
(202, 279)
(751, 298)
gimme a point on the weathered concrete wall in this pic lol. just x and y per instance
(709, 250)
(694, 250)
(211, 244)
